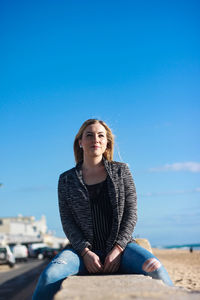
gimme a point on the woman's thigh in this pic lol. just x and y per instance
(135, 259)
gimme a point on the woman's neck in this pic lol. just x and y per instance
(93, 170)
(92, 163)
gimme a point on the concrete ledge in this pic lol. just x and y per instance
(118, 287)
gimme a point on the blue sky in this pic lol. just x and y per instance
(134, 64)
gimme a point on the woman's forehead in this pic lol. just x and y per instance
(96, 127)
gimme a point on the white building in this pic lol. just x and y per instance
(26, 226)
(26, 230)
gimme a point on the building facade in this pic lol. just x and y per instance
(27, 230)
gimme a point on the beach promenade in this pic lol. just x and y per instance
(182, 266)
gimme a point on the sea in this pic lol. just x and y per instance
(184, 246)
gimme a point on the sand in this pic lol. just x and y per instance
(182, 266)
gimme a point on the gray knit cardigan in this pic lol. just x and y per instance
(75, 212)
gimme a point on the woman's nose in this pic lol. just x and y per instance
(96, 138)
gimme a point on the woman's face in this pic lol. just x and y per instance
(94, 140)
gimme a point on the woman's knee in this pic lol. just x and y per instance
(49, 275)
(49, 283)
(153, 268)
(150, 265)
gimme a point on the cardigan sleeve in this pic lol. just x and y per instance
(69, 225)
(129, 218)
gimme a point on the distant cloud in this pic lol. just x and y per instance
(167, 193)
(190, 166)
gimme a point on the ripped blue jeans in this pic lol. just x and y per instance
(134, 260)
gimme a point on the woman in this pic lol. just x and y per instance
(98, 209)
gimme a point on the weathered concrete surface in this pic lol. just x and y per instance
(118, 287)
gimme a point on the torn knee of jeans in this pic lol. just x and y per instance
(58, 261)
(151, 265)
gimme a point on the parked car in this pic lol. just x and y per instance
(32, 248)
(45, 252)
(39, 252)
(50, 252)
(6, 256)
(20, 252)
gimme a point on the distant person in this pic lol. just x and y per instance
(98, 209)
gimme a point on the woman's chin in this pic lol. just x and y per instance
(95, 154)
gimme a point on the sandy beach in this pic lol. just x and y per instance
(182, 266)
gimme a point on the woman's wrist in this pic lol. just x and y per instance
(85, 251)
(119, 247)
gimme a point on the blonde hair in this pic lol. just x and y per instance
(78, 152)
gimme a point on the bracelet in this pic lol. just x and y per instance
(119, 247)
(85, 252)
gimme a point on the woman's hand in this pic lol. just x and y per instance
(112, 261)
(92, 262)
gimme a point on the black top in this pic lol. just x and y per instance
(101, 211)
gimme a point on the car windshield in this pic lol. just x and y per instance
(3, 250)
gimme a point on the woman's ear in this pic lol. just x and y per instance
(80, 143)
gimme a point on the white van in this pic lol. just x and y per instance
(20, 252)
(6, 256)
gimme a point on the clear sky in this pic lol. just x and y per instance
(134, 64)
